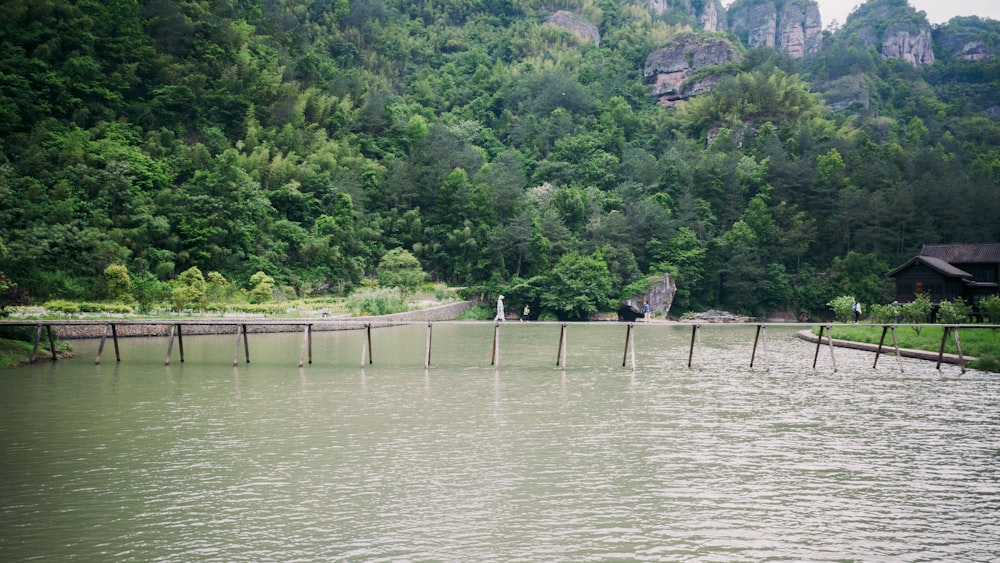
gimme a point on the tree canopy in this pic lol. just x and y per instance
(317, 142)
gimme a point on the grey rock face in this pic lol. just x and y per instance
(793, 27)
(668, 69)
(573, 23)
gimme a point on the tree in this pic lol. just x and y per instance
(190, 289)
(399, 268)
(119, 284)
(577, 287)
(11, 294)
(261, 288)
(862, 275)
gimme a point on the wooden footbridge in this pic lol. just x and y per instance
(239, 328)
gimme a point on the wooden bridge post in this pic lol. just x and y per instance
(180, 342)
(944, 338)
(633, 350)
(829, 338)
(695, 336)
(52, 342)
(246, 344)
(561, 351)
(753, 352)
(241, 330)
(878, 350)
(628, 334)
(306, 342)
(819, 342)
(895, 344)
(170, 344)
(100, 347)
(761, 332)
(366, 345)
(38, 337)
(114, 338)
(958, 347)
(495, 361)
(427, 348)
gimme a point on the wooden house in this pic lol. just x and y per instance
(949, 271)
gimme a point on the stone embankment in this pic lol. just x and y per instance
(204, 325)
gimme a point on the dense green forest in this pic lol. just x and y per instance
(307, 139)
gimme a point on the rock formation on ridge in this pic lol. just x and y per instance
(576, 25)
(793, 27)
(669, 69)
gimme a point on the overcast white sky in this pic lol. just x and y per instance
(938, 11)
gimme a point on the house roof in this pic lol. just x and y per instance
(933, 263)
(964, 253)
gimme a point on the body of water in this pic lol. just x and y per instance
(203, 461)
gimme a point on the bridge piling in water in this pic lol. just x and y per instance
(427, 347)
(761, 331)
(958, 347)
(561, 352)
(895, 344)
(696, 337)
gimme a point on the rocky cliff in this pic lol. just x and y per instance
(793, 27)
(576, 25)
(967, 38)
(894, 28)
(671, 70)
(710, 14)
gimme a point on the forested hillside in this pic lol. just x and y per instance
(306, 139)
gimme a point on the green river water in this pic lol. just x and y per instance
(526, 461)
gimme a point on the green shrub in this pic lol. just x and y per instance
(918, 311)
(376, 301)
(884, 314)
(953, 312)
(63, 306)
(478, 313)
(842, 308)
(991, 307)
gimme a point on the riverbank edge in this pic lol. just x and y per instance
(808, 336)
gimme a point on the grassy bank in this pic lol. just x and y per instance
(983, 343)
(15, 353)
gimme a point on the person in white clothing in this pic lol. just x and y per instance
(500, 315)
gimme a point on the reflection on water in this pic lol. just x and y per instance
(203, 461)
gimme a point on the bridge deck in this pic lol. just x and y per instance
(308, 325)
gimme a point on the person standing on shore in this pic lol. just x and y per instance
(500, 314)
